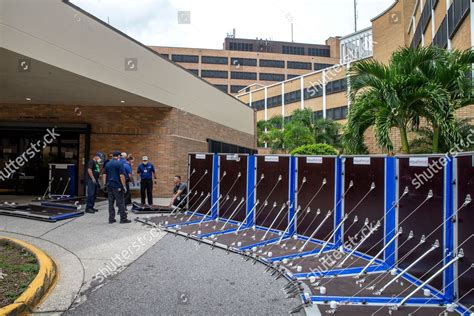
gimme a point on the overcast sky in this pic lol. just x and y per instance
(156, 22)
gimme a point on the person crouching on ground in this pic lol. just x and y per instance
(116, 187)
(180, 192)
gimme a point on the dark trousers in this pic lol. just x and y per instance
(91, 194)
(116, 196)
(146, 188)
(128, 195)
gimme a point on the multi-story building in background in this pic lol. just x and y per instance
(245, 62)
(445, 23)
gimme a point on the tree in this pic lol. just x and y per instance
(390, 96)
(315, 149)
(327, 132)
(452, 71)
(296, 134)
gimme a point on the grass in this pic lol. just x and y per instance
(19, 268)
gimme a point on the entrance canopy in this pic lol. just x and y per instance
(52, 52)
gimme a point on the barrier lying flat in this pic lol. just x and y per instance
(39, 212)
(353, 234)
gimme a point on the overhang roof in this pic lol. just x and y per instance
(78, 59)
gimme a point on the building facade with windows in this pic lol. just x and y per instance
(244, 62)
(444, 23)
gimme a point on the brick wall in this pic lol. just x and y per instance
(165, 135)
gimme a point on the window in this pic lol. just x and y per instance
(338, 113)
(323, 52)
(441, 37)
(246, 47)
(222, 87)
(272, 77)
(273, 101)
(289, 76)
(236, 61)
(185, 58)
(317, 115)
(272, 63)
(236, 89)
(456, 14)
(243, 75)
(194, 71)
(215, 146)
(293, 50)
(336, 86)
(319, 66)
(313, 91)
(214, 74)
(214, 60)
(167, 56)
(294, 96)
(298, 65)
(258, 105)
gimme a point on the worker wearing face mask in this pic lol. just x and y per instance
(92, 182)
(146, 171)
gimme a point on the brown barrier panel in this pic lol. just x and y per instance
(232, 186)
(425, 220)
(363, 171)
(272, 167)
(465, 220)
(199, 182)
(315, 169)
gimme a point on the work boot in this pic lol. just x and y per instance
(89, 210)
(125, 221)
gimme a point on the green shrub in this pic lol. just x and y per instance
(315, 149)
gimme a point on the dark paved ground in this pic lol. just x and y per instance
(177, 277)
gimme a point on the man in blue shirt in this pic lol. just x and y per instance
(146, 171)
(128, 178)
(115, 182)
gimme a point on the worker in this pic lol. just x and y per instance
(146, 171)
(128, 178)
(92, 182)
(180, 192)
(116, 187)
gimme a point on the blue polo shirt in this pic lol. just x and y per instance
(128, 170)
(113, 170)
(146, 171)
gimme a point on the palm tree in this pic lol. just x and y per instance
(452, 71)
(390, 96)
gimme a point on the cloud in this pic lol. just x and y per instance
(155, 22)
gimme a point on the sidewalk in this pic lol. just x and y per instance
(86, 249)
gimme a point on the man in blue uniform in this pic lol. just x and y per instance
(92, 183)
(115, 181)
(146, 171)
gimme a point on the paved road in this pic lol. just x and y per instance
(177, 277)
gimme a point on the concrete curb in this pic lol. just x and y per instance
(40, 285)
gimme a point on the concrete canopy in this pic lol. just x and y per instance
(74, 58)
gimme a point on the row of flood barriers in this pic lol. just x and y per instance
(394, 232)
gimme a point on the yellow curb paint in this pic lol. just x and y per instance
(38, 289)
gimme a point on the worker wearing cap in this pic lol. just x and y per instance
(92, 181)
(116, 187)
(146, 171)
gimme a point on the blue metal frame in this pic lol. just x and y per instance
(250, 190)
(215, 185)
(448, 274)
(390, 209)
(292, 196)
(338, 203)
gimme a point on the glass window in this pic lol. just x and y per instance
(243, 75)
(272, 63)
(272, 77)
(185, 58)
(214, 74)
(214, 60)
(298, 65)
